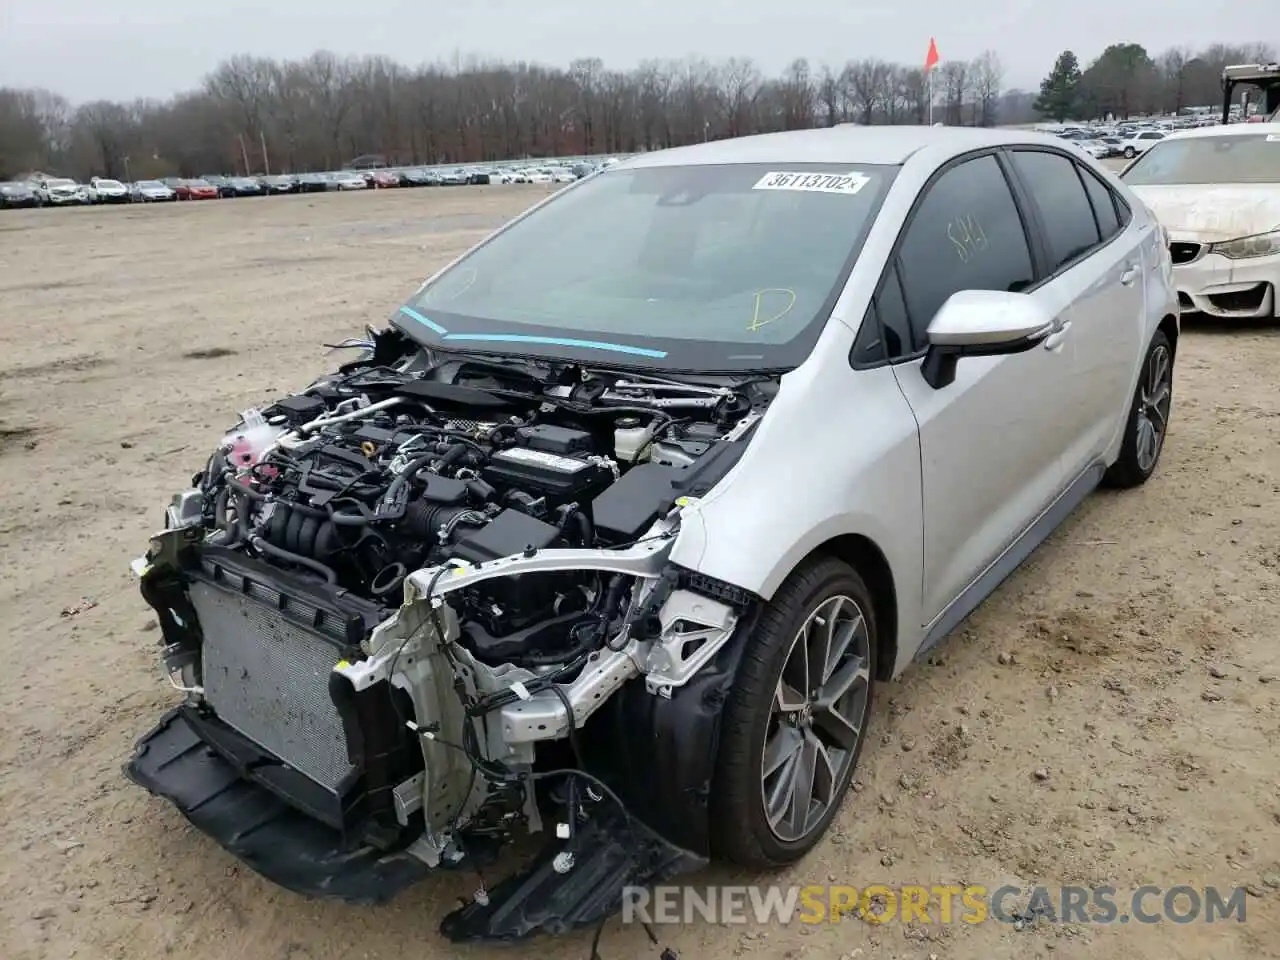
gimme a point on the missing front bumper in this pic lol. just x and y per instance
(610, 852)
(250, 822)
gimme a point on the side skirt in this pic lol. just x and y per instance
(1012, 558)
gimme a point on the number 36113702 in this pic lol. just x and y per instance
(967, 237)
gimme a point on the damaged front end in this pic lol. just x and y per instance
(402, 643)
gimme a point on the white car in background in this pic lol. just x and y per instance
(61, 191)
(1094, 148)
(152, 191)
(103, 190)
(349, 180)
(1216, 191)
(1138, 143)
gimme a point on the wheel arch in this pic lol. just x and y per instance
(865, 556)
(1169, 327)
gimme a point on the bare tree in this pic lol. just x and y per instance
(987, 76)
(868, 84)
(797, 96)
(954, 85)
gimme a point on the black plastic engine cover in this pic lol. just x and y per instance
(551, 438)
(508, 533)
(625, 510)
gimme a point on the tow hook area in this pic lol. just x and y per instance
(575, 882)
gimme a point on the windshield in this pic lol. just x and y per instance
(111, 184)
(199, 183)
(1238, 158)
(709, 268)
(151, 185)
(59, 182)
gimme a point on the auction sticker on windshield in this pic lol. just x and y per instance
(847, 183)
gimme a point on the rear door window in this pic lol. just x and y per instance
(1065, 211)
(1104, 204)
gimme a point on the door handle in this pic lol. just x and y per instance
(1130, 274)
(1055, 340)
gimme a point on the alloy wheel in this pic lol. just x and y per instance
(816, 719)
(1155, 396)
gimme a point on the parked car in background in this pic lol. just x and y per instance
(452, 178)
(384, 178)
(1216, 191)
(61, 191)
(13, 195)
(313, 183)
(241, 187)
(198, 189)
(485, 176)
(996, 309)
(279, 183)
(221, 184)
(1138, 143)
(18, 195)
(1093, 148)
(103, 190)
(152, 191)
(417, 177)
(349, 180)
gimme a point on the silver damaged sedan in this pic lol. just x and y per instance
(612, 532)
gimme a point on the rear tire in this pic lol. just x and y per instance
(787, 754)
(1130, 153)
(1148, 422)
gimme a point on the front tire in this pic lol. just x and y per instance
(794, 723)
(1148, 422)
(1130, 153)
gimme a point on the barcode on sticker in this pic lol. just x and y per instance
(847, 183)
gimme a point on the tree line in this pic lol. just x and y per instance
(1125, 80)
(260, 115)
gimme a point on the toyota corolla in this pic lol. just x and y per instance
(614, 531)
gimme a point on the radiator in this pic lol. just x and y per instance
(268, 679)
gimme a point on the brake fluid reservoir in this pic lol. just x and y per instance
(631, 439)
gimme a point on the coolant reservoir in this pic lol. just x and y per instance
(631, 439)
(246, 444)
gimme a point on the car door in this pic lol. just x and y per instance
(990, 444)
(1094, 284)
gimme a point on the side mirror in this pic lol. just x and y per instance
(982, 323)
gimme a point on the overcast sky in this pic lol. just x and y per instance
(121, 49)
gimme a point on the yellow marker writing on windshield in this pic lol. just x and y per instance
(757, 321)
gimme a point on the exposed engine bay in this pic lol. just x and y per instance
(425, 604)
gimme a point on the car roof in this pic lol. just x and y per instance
(844, 143)
(1226, 130)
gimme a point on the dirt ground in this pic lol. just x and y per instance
(1109, 717)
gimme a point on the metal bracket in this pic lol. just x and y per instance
(694, 628)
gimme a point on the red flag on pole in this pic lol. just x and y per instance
(931, 58)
